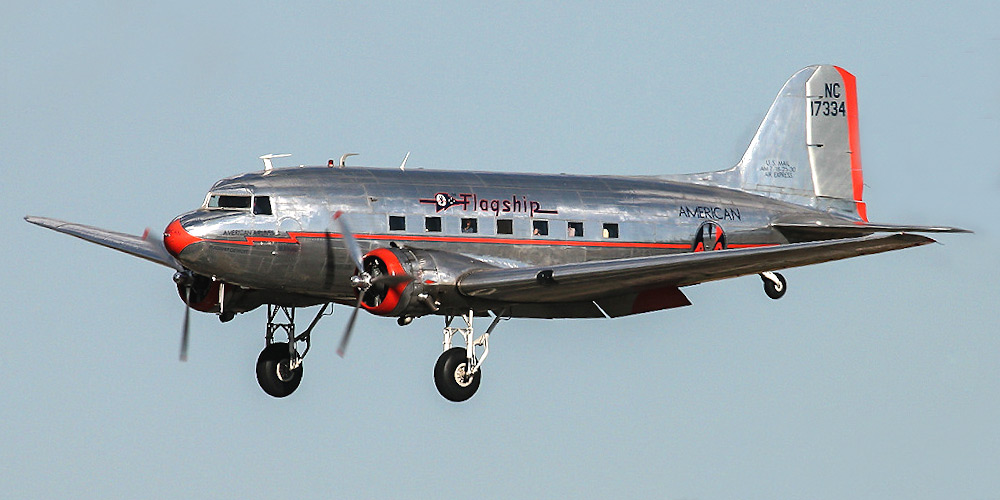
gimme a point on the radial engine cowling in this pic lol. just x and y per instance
(390, 299)
(433, 274)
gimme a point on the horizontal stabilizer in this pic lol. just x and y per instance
(812, 229)
(151, 249)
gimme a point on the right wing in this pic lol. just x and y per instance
(596, 279)
(151, 249)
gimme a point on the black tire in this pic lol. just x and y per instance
(773, 290)
(268, 363)
(446, 376)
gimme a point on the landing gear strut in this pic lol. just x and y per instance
(775, 285)
(279, 366)
(458, 370)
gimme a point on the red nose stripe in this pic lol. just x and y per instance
(176, 239)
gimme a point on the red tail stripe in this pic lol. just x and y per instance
(857, 179)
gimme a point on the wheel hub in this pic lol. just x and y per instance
(284, 370)
(461, 377)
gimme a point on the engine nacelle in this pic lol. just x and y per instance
(391, 300)
(434, 276)
(211, 296)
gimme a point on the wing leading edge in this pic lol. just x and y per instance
(592, 280)
(151, 249)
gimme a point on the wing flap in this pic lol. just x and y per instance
(150, 249)
(597, 279)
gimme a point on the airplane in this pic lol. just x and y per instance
(407, 243)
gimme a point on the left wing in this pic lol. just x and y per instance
(592, 280)
(151, 249)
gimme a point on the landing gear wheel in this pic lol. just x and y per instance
(450, 377)
(273, 373)
(775, 290)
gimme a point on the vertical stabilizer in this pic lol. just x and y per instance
(806, 150)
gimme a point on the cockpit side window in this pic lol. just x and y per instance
(228, 201)
(261, 205)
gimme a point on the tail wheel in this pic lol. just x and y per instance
(775, 290)
(451, 378)
(273, 371)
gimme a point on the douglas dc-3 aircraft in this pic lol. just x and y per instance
(462, 244)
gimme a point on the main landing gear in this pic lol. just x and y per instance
(458, 371)
(279, 366)
(775, 285)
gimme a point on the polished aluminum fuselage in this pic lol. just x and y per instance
(297, 250)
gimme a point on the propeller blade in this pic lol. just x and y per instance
(391, 280)
(330, 262)
(349, 241)
(350, 326)
(187, 323)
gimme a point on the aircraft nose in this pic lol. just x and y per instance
(176, 238)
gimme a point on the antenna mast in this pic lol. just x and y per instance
(267, 160)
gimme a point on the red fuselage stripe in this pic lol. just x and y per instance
(295, 236)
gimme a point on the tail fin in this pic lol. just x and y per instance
(806, 151)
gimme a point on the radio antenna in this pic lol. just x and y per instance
(267, 160)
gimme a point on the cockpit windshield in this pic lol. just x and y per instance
(229, 201)
(237, 199)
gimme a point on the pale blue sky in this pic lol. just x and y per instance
(873, 378)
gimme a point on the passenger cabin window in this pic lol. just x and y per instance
(432, 224)
(397, 223)
(610, 230)
(261, 205)
(505, 226)
(228, 201)
(470, 225)
(574, 230)
(540, 228)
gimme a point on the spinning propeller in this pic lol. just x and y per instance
(364, 280)
(185, 280)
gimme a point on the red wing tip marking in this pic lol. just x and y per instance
(338, 214)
